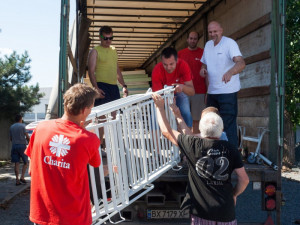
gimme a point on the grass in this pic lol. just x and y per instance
(3, 163)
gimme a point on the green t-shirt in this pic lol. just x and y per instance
(107, 62)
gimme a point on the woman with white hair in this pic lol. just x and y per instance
(210, 195)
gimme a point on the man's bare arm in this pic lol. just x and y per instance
(179, 119)
(237, 68)
(243, 181)
(122, 82)
(164, 124)
(27, 137)
(203, 70)
(92, 62)
(187, 88)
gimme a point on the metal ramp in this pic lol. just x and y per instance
(135, 145)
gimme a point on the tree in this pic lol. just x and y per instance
(16, 97)
(292, 79)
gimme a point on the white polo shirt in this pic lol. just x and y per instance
(219, 59)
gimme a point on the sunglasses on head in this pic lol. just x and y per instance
(106, 38)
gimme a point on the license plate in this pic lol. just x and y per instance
(167, 214)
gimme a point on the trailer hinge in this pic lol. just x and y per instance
(282, 19)
(62, 85)
(65, 10)
(281, 142)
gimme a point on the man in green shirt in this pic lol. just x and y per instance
(103, 69)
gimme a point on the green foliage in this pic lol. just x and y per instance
(16, 97)
(292, 79)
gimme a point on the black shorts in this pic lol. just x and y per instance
(111, 93)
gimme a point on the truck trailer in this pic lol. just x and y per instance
(142, 29)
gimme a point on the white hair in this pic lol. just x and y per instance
(211, 125)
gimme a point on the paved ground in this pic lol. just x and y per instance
(14, 200)
(8, 188)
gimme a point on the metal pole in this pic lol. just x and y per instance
(281, 82)
(63, 81)
(77, 41)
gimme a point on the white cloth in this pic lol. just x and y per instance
(219, 59)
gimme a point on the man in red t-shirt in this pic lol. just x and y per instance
(192, 55)
(60, 151)
(176, 72)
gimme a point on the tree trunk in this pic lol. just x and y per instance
(288, 142)
(5, 139)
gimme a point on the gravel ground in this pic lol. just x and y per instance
(248, 205)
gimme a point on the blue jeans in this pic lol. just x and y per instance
(17, 152)
(228, 108)
(183, 103)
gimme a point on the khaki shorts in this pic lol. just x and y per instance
(197, 105)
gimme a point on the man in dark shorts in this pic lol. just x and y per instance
(19, 138)
(104, 72)
(210, 195)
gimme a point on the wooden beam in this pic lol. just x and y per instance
(141, 9)
(258, 57)
(255, 25)
(183, 29)
(254, 91)
(71, 57)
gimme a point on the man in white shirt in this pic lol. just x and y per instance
(222, 62)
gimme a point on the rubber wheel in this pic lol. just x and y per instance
(251, 158)
(259, 161)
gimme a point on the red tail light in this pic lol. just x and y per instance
(269, 196)
(270, 190)
(270, 204)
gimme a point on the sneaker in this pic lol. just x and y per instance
(23, 181)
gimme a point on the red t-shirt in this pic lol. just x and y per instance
(161, 77)
(59, 152)
(193, 60)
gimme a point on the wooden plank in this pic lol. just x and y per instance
(71, 58)
(130, 87)
(256, 42)
(233, 16)
(126, 73)
(135, 76)
(257, 172)
(256, 74)
(140, 79)
(87, 81)
(134, 92)
(138, 83)
(257, 106)
(254, 91)
(251, 27)
(258, 57)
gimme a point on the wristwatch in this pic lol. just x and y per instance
(124, 86)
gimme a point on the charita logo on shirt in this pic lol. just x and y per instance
(59, 146)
